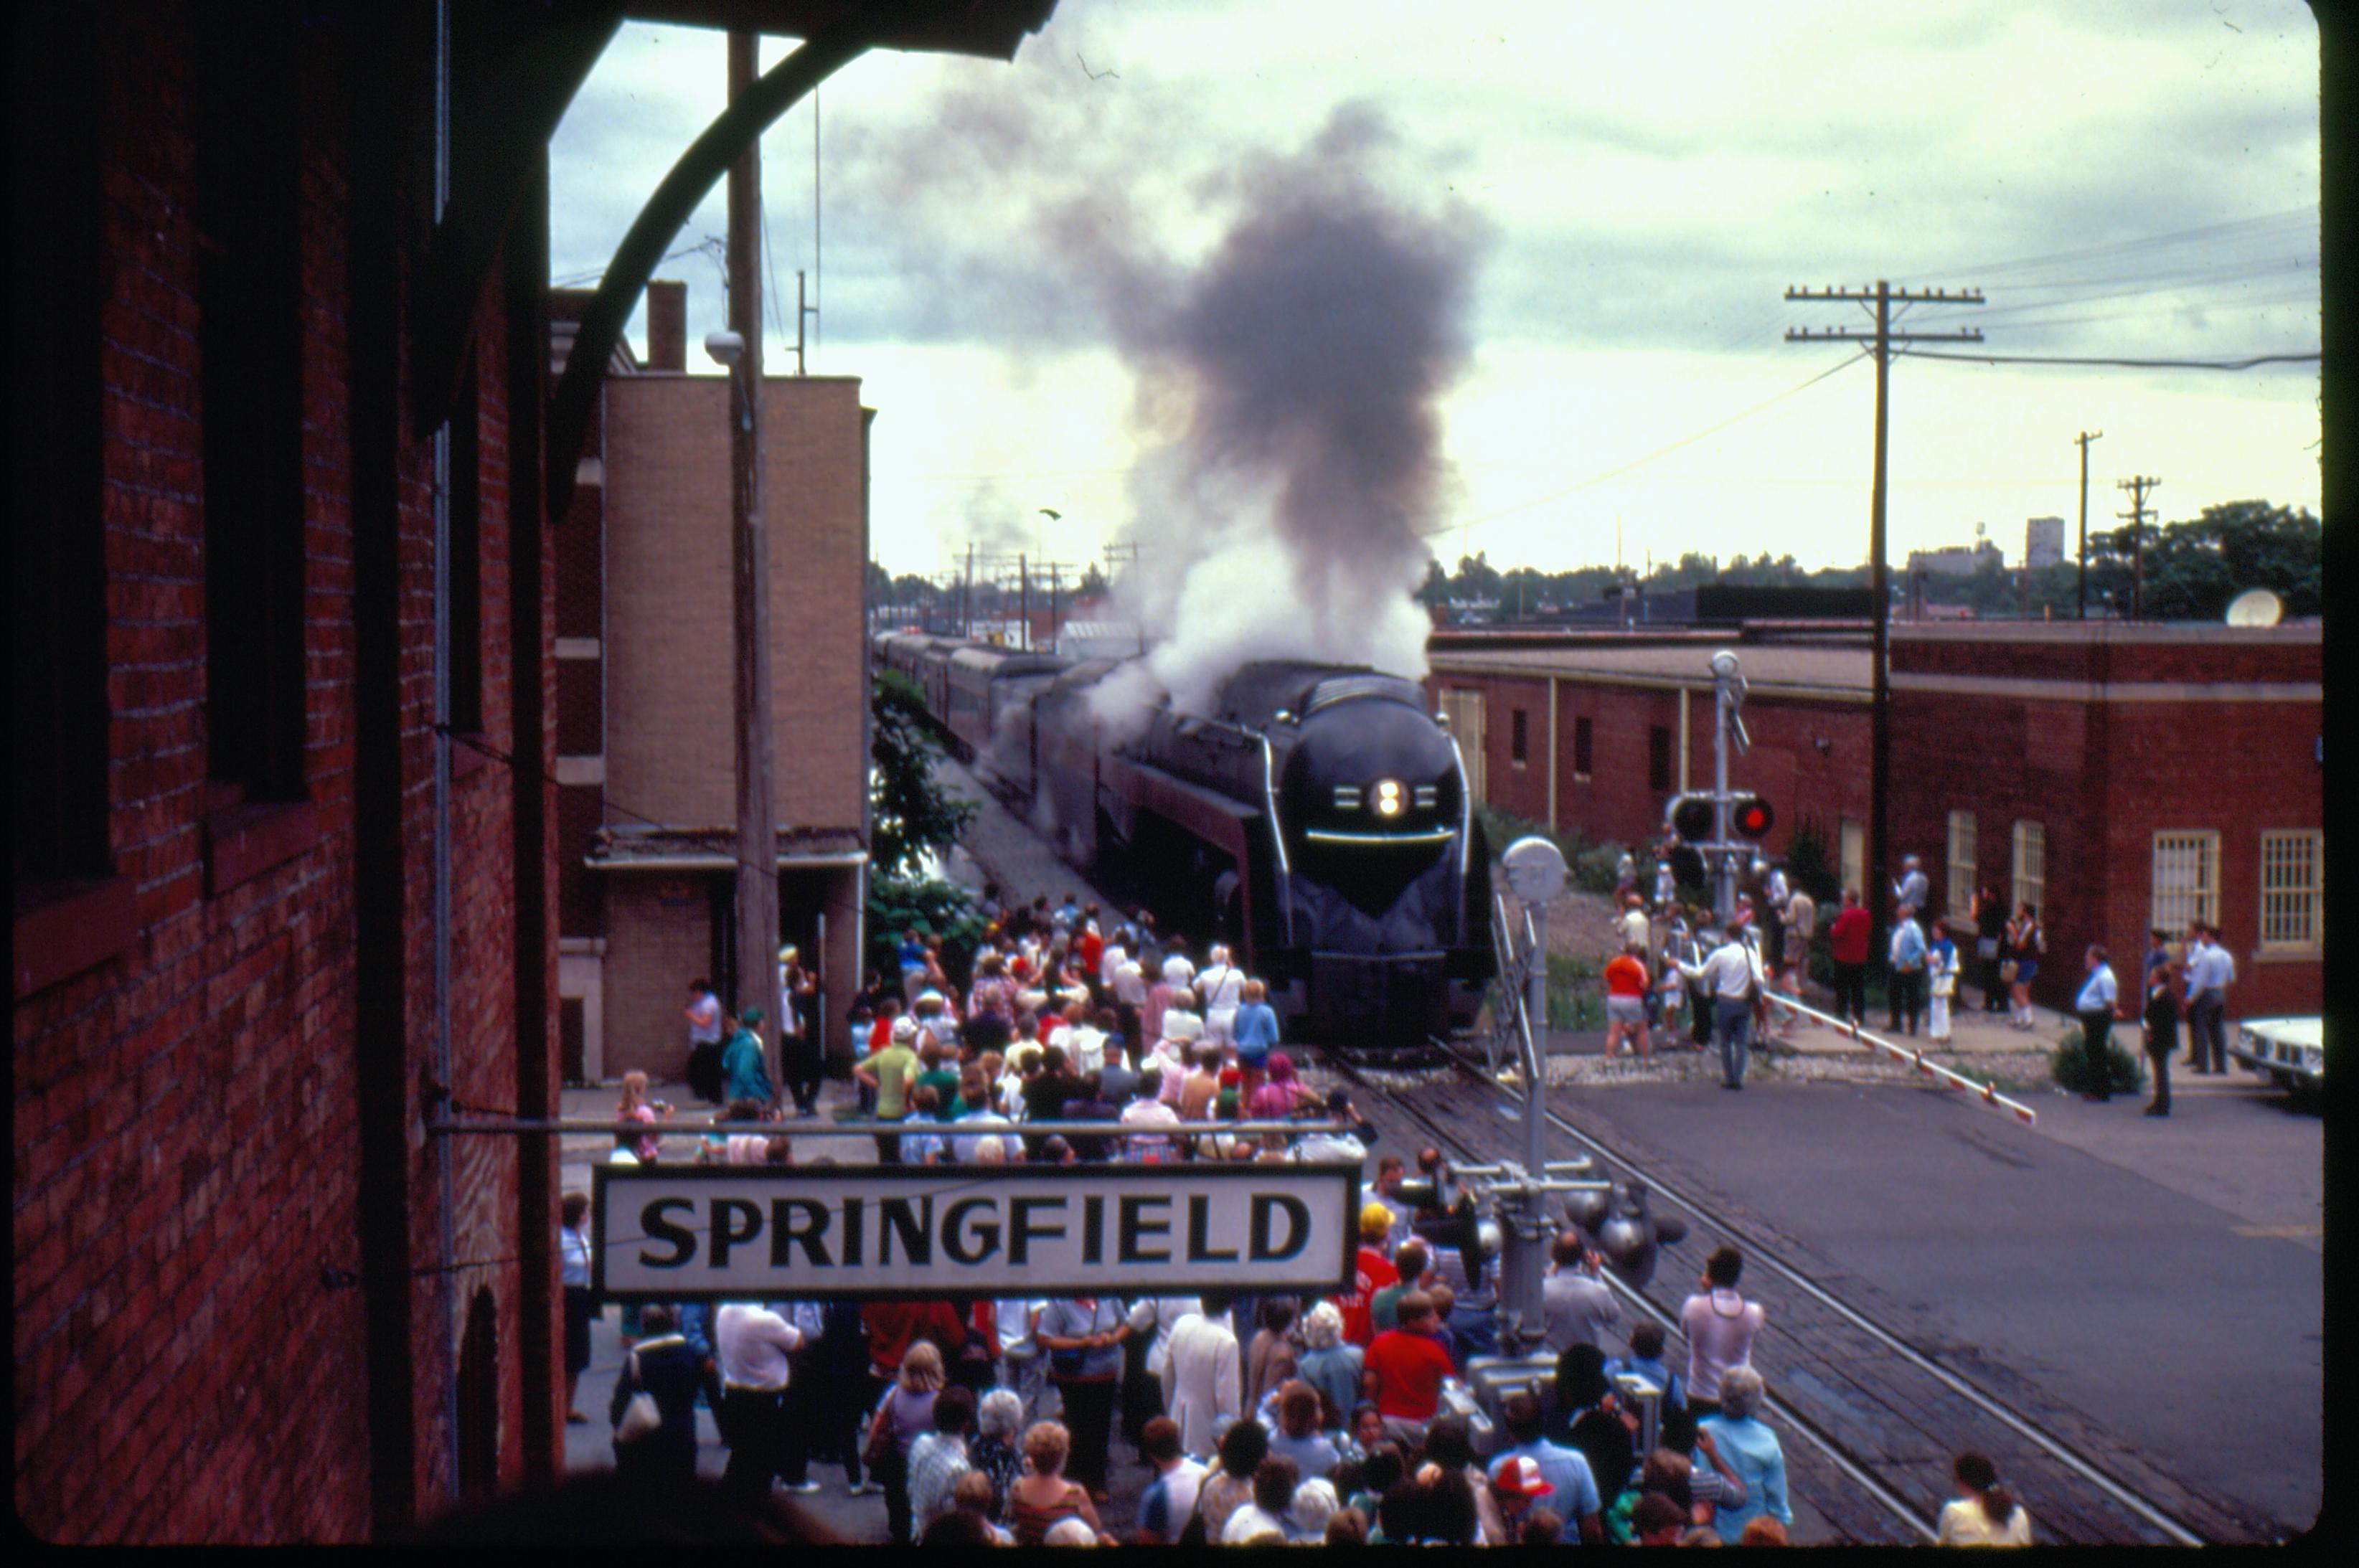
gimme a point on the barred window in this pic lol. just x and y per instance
(1519, 747)
(2028, 874)
(1961, 898)
(1583, 749)
(1851, 853)
(2293, 890)
(2186, 879)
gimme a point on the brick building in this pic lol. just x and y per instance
(647, 742)
(285, 699)
(263, 909)
(1591, 733)
(2118, 777)
(2124, 778)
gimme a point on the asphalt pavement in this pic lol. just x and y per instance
(2162, 1277)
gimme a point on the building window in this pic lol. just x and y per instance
(2029, 869)
(1582, 754)
(250, 383)
(2186, 881)
(1659, 758)
(2293, 890)
(1852, 854)
(1961, 893)
(1518, 737)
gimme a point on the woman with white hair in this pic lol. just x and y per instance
(999, 1420)
(1329, 1364)
(1315, 1503)
(1740, 1436)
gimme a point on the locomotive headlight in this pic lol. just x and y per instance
(1389, 799)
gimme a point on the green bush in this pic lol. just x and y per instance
(1808, 868)
(2068, 1065)
(935, 907)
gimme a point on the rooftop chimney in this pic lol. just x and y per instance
(667, 325)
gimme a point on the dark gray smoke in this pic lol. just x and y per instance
(1312, 346)
(1288, 371)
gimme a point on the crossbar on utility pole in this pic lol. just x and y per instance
(1883, 297)
(2138, 486)
(2083, 440)
(757, 840)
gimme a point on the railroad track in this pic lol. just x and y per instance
(1878, 1418)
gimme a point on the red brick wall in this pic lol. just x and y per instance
(1616, 804)
(190, 1330)
(186, 1157)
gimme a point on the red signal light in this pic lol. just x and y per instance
(1752, 818)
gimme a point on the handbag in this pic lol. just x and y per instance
(2006, 972)
(641, 1416)
(881, 1445)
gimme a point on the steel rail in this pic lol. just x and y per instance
(2008, 1416)
(1850, 1469)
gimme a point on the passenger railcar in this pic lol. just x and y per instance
(1318, 819)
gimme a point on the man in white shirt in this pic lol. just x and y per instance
(1202, 1391)
(1730, 976)
(1910, 892)
(1023, 1368)
(2095, 1007)
(2210, 971)
(1221, 987)
(752, 1344)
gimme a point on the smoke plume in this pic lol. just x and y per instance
(1307, 354)
(1292, 320)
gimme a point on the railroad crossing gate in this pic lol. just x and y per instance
(785, 1233)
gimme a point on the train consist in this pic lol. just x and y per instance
(1317, 818)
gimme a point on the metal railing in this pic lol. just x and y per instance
(1986, 1093)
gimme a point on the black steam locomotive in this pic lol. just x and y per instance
(1317, 819)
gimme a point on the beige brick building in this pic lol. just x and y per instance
(648, 761)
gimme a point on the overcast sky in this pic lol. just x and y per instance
(1632, 188)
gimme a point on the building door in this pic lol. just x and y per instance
(1463, 709)
(1853, 862)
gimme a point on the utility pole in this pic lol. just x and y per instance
(966, 596)
(1883, 296)
(1054, 587)
(2137, 487)
(757, 842)
(2083, 440)
(1023, 599)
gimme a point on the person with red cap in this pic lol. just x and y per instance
(1517, 1486)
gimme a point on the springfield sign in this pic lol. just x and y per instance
(772, 1233)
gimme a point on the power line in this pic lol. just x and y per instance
(1650, 457)
(2310, 358)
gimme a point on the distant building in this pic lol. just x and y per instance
(646, 748)
(2043, 542)
(2122, 777)
(1957, 561)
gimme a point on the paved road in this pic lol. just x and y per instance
(2146, 1272)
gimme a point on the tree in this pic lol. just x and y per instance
(1434, 592)
(1477, 578)
(1093, 584)
(910, 816)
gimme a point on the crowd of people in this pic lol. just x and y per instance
(1675, 958)
(1276, 1418)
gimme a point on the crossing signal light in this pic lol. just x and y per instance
(1751, 818)
(1691, 817)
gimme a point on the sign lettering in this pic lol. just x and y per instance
(783, 1233)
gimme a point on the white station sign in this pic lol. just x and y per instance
(773, 1233)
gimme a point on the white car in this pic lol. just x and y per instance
(2290, 1050)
